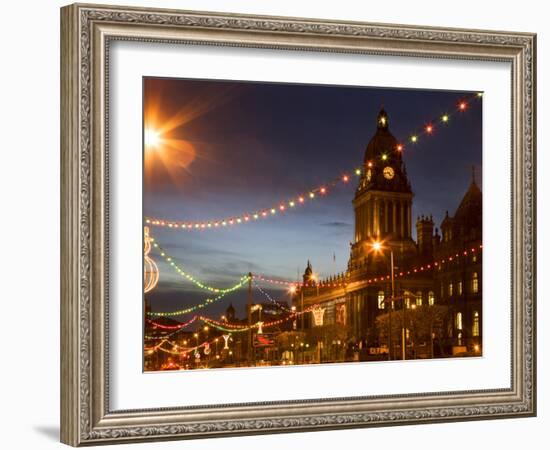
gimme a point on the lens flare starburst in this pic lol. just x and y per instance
(169, 152)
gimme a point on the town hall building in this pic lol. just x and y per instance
(383, 242)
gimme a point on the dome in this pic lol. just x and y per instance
(384, 169)
(383, 142)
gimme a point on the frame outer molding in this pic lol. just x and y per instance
(85, 34)
(70, 242)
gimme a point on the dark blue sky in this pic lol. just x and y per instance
(255, 144)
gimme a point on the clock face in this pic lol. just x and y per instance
(369, 175)
(388, 173)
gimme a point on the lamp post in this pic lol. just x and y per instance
(302, 307)
(249, 310)
(377, 247)
(403, 331)
(196, 336)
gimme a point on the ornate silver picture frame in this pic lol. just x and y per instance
(87, 32)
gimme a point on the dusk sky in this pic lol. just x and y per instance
(236, 147)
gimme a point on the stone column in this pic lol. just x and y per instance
(368, 219)
(402, 219)
(394, 216)
(376, 220)
(409, 212)
(386, 214)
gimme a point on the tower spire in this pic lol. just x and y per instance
(382, 119)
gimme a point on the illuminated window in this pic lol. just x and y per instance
(459, 288)
(418, 298)
(459, 321)
(474, 258)
(407, 301)
(450, 289)
(431, 298)
(475, 283)
(475, 326)
(459, 338)
(380, 299)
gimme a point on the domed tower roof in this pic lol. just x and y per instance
(383, 140)
(383, 152)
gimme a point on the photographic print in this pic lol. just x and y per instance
(293, 224)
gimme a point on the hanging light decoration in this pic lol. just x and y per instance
(305, 197)
(150, 268)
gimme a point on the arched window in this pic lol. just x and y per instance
(407, 301)
(459, 288)
(450, 289)
(380, 299)
(475, 283)
(475, 325)
(431, 298)
(418, 298)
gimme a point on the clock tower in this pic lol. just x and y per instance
(383, 199)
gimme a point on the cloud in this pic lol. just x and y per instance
(336, 224)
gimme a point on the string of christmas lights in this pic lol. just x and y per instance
(442, 261)
(173, 333)
(154, 348)
(181, 312)
(233, 328)
(264, 213)
(295, 285)
(413, 138)
(429, 128)
(189, 277)
(185, 350)
(271, 299)
(172, 327)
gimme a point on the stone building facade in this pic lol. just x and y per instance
(352, 301)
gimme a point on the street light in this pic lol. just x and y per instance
(377, 247)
